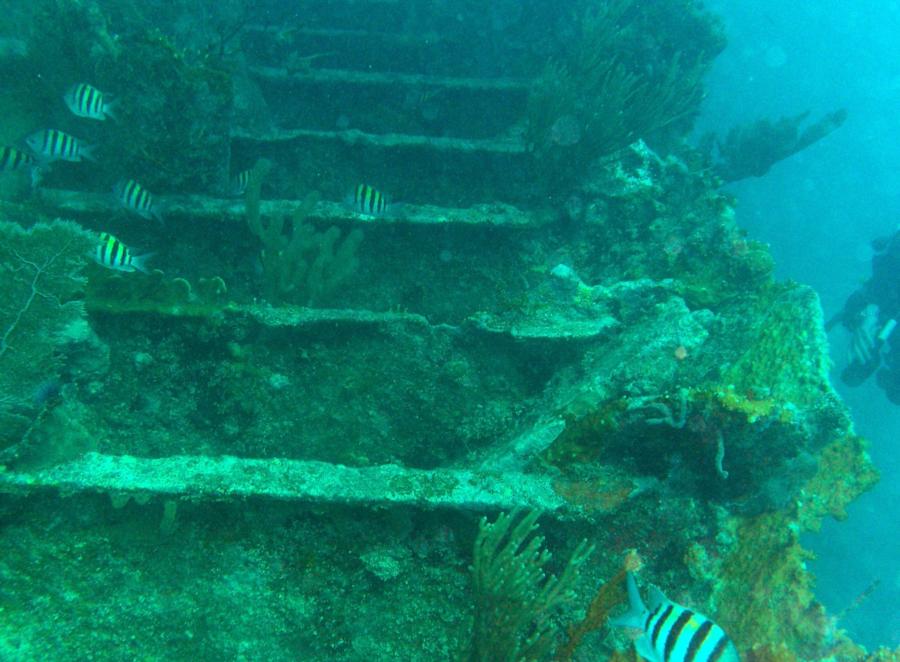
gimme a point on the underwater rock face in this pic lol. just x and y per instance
(306, 450)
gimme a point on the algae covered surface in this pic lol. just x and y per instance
(442, 431)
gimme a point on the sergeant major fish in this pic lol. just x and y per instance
(368, 200)
(14, 160)
(113, 254)
(54, 145)
(672, 633)
(87, 101)
(239, 183)
(136, 198)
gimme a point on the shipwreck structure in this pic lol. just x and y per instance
(279, 443)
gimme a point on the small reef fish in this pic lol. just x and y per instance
(672, 633)
(54, 145)
(87, 101)
(239, 183)
(12, 159)
(113, 254)
(368, 200)
(136, 198)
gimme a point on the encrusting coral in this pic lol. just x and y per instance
(154, 292)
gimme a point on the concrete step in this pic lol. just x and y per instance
(444, 170)
(402, 105)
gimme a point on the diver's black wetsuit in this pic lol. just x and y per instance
(881, 290)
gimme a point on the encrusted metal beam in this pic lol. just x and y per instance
(222, 478)
(66, 203)
(388, 78)
(387, 140)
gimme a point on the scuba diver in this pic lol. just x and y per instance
(870, 315)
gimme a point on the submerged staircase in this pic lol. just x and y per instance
(412, 115)
(428, 116)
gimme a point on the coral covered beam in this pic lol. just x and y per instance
(226, 477)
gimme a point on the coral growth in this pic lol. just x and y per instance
(514, 598)
(154, 292)
(172, 132)
(300, 264)
(612, 89)
(43, 331)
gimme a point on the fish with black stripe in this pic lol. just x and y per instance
(15, 160)
(239, 183)
(12, 159)
(113, 254)
(55, 145)
(368, 200)
(87, 101)
(134, 197)
(673, 633)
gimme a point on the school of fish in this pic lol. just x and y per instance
(47, 146)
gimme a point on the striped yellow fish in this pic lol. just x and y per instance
(136, 198)
(369, 200)
(87, 101)
(12, 159)
(54, 145)
(113, 254)
(239, 183)
(672, 633)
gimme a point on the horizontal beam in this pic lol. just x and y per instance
(554, 325)
(280, 33)
(386, 140)
(226, 477)
(62, 202)
(388, 78)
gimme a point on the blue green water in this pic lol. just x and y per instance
(819, 211)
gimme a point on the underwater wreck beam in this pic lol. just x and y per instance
(355, 137)
(303, 481)
(388, 79)
(77, 204)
